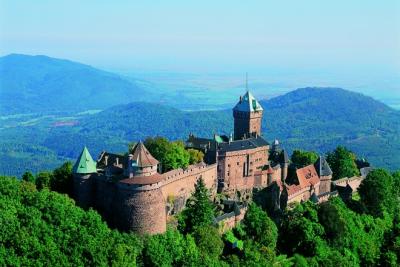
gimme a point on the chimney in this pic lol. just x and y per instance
(240, 99)
(106, 160)
(117, 161)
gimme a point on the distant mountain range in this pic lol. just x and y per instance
(44, 84)
(310, 118)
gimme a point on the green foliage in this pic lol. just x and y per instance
(43, 180)
(62, 179)
(342, 162)
(172, 155)
(378, 193)
(259, 227)
(195, 156)
(301, 231)
(209, 241)
(358, 234)
(28, 177)
(199, 210)
(172, 249)
(44, 228)
(233, 240)
(303, 158)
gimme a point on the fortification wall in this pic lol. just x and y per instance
(178, 185)
(83, 185)
(228, 221)
(354, 182)
(105, 191)
(140, 211)
(234, 164)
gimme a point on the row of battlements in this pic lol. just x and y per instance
(346, 180)
(178, 174)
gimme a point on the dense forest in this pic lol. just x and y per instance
(41, 226)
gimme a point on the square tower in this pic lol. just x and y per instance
(247, 116)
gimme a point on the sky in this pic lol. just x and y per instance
(328, 42)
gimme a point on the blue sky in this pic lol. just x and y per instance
(208, 35)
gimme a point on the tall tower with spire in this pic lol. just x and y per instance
(83, 172)
(247, 116)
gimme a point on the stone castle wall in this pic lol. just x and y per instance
(141, 211)
(232, 166)
(104, 194)
(178, 185)
(142, 208)
(84, 189)
(228, 221)
(354, 182)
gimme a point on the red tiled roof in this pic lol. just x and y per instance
(307, 176)
(142, 156)
(293, 189)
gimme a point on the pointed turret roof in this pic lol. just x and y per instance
(142, 156)
(322, 167)
(85, 163)
(248, 103)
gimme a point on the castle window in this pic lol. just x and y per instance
(229, 165)
(228, 173)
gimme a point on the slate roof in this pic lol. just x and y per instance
(141, 156)
(248, 103)
(85, 163)
(200, 143)
(237, 145)
(322, 167)
(285, 157)
(111, 160)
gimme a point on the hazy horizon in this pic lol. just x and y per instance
(354, 45)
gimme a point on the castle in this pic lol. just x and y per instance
(131, 193)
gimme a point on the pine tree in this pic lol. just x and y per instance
(199, 209)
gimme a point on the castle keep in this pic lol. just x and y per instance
(131, 193)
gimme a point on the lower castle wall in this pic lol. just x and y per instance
(179, 184)
(354, 182)
(104, 197)
(83, 189)
(140, 211)
(231, 221)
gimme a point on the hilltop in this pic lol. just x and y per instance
(44, 84)
(322, 118)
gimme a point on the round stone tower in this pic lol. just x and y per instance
(140, 203)
(84, 171)
(141, 208)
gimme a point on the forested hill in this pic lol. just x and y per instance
(43, 84)
(312, 118)
(321, 118)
